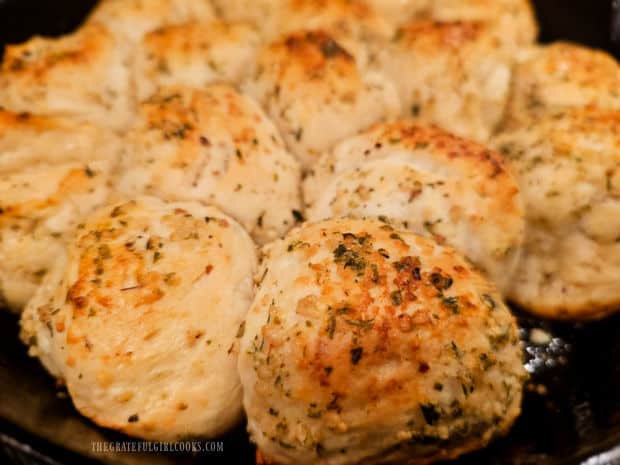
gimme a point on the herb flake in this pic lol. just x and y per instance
(356, 355)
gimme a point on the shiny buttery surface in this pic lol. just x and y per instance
(576, 419)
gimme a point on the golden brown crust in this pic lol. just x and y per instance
(358, 9)
(27, 60)
(315, 50)
(82, 74)
(10, 120)
(352, 22)
(454, 34)
(489, 163)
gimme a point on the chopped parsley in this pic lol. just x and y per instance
(331, 326)
(330, 48)
(356, 355)
(489, 301)
(349, 258)
(431, 415)
(451, 303)
(440, 282)
(396, 297)
(299, 217)
(241, 329)
(375, 273)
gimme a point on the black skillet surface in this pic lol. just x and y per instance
(571, 409)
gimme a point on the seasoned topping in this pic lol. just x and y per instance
(214, 145)
(146, 281)
(355, 321)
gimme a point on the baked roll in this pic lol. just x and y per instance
(84, 75)
(316, 93)
(194, 54)
(367, 344)
(140, 318)
(217, 146)
(53, 172)
(568, 168)
(452, 74)
(430, 182)
(551, 78)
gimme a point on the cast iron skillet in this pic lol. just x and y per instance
(571, 409)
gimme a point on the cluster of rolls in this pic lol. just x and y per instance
(310, 211)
